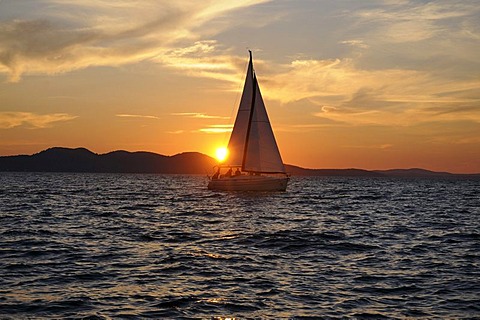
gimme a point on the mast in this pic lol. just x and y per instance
(252, 106)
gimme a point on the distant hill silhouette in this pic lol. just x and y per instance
(82, 160)
(413, 172)
(59, 159)
(298, 171)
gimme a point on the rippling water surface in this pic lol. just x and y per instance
(101, 246)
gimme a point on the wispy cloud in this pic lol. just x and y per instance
(421, 34)
(14, 119)
(408, 21)
(355, 43)
(214, 128)
(136, 116)
(218, 128)
(51, 36)
(205, 59)
(348, 94)
(197, 115)
(176, 132)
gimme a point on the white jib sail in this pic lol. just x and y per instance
(262, 154)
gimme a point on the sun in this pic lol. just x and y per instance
(221, 154)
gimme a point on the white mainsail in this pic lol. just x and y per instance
(236, 145)
(252, 144)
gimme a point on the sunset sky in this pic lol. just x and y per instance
(364, 84)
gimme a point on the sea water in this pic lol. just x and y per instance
(130, 246)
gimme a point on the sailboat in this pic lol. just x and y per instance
(252, 150)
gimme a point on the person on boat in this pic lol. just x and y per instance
(215, 176)
(229, 173)
(237, 172)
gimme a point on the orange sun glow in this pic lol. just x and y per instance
(221, 154)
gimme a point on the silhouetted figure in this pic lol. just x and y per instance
(229, 173)
(215, 176)
(237, 172)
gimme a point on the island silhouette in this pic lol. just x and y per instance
(60, 159)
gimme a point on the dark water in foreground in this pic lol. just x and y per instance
(115, 246)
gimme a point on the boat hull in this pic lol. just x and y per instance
(249, 183)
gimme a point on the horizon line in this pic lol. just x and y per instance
(286, 164)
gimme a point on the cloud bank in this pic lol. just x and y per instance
(51, 36)
(403, 61)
